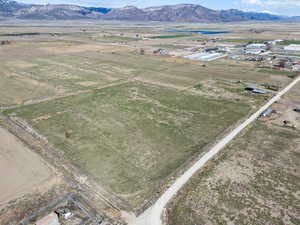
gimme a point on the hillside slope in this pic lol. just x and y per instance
(173, 13)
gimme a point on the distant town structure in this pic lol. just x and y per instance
(296, 68)
(255, 48)
(206, 56)
(254, 51)
(292, 47)
(275, 42)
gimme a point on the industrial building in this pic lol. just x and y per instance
(205, 56)
(256, 46)
(292, 47)
(275, 42)
(255, 49)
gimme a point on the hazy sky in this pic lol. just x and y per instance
(284, 7)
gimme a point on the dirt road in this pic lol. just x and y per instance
(153, 215)
(21, 170)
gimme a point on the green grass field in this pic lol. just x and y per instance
(291, 42)
(132, 137)
(244, 41)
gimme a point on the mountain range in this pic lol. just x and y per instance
(174, 13)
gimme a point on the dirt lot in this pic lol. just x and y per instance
(21, 170)
(284, 111)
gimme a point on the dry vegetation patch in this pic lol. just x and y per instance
(83, 48)
(254, 181)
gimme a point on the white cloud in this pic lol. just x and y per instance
(261, 11)
(253, 2)
(269, 12)
(283, 2)
(274, 3)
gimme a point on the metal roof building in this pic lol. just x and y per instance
(254, 51)
(267, 112)
(256, 46)
(292, 48)
(257, 91)
(205, 56)
(250, 88)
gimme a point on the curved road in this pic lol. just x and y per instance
(153, 215)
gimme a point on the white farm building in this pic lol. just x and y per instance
(292, 48)
(256, 46)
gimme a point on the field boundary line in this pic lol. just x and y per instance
(46, 99)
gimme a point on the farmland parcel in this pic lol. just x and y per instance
(129, 119)
(131, 137)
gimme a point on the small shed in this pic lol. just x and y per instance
(211, 49)
(267, 112)
(50, 219)
(257, 91)
(160, 51)
(250, 88)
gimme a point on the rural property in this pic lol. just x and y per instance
(105, 120)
